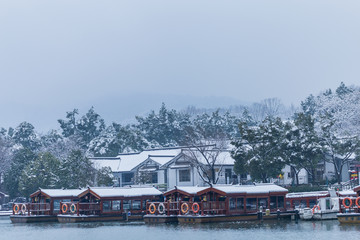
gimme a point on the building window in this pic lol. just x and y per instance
(154, 177)
(184, 175)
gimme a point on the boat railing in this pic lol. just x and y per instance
(160, 208)
(185, 208)
(77, 208)
(31, 208)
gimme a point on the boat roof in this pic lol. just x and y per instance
(186, 190)
(54, 193)
(123, 191)
(308, 194)
(251, 189)
(230, 189)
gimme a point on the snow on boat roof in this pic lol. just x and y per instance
(307, 194)
(62, 192)
(126, 162)
(191, 190)
(250, 189)
(126, 191)
(347, 193)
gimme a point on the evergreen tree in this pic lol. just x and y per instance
(42, 172)
(104, 177)
(24, 135)
(77, 171)
(259, 151)
(21, 159)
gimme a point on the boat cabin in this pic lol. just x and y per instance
(46, 201)
(112, 201)
(304, 199)
(221, 199)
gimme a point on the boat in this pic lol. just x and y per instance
(220, 203)
(109, 204)
(44, 205)
(352, 218)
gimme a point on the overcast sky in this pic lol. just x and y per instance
(126, 57)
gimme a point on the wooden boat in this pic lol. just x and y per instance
(221, 203)
(109, 204)
(44, 205)
(352, 218)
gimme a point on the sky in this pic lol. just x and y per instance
(126, 57)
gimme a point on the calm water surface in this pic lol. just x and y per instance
(137, 230)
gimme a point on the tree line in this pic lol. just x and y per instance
(325, 128)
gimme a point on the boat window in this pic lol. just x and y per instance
(144, 205)
(263, 202)
(251, 203)
(116, 205)
(240, 203)
(288, 204)
(303, 204)
(328, 206)
(57, 205)
(312, 203)
(126, 204)
(106, 206)
(280, 202)
(296, 203)
(232, 202)
(136, 205)
(273, 202)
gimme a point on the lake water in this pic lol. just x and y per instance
(138, 230)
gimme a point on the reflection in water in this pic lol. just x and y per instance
(283, 229)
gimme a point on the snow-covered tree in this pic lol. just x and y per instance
(117, 139)
(42, 172)
(302, 148)
(77, 171)
(21, 159)
(259, 150)
(82, 130)
(25, 136)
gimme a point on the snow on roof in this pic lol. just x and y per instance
(62, 192)
(161, 159)
(347, 193)
(250, 189)
(126, 191)
(222, 158)
(307, 194)
(192, 190)
(126, 162)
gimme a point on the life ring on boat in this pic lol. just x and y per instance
(315, 207)
(23, 208)
(344, 202)
(161, 208)
(152, 208)
(73, 208)
(64, 208)
(357, 202)
(184, 208)
(16, 208)
(195, 207)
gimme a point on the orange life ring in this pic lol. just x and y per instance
(73, 208)
(152, 208)
(344, 202)
(64, 208)
(195, 208)
(16, 208)
(357, 202)
(184, 208)
(315, 207)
